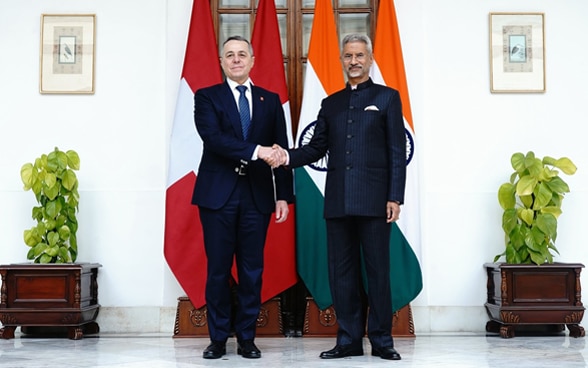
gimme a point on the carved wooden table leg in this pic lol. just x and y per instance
(75, 333)
(507, 331)
(576, 330)
(7, 332)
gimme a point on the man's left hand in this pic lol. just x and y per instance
(392, 211)
(281, 211)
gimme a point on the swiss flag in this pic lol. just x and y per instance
(268, 72)
(183, 241)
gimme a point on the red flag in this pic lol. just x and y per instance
(268, 72)
(183, 242)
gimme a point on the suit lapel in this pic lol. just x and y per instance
(228, 101)
(258, 106)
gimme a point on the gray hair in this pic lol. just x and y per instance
(240, 38)
(357, 37)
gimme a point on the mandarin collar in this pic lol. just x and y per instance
(366, 84)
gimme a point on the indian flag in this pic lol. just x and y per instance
(323, 77)
(405, 270)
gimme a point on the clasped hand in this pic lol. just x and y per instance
(274, 156)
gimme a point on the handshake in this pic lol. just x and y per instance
(275, 156)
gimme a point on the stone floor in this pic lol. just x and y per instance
(163, 351)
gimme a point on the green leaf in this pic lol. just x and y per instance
(542, 196)
(45, 258)
(566, 165)
(533, 165)
(39, 249)
(506, 196)
(31, 253)
(31, 237)
(511, 254)
(52, 251)
(547, 223)
(538, 239)
(64, 254)
(51, 192)
(509, 220)
(26, 175)
(64, 232)
(526, 185)
(69, 180)
(497, 257)
(553, 210)
(527, 200)
(517, 236)
(73, 160)
(537, 258)
(56, 161)
(53, 238)
(52, 209)
(50, 180)
(518, 162)
(558, 185)
(526, 215)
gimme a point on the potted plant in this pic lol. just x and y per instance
(52, 290)
(529, 288)
(55, 185)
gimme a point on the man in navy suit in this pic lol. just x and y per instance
(362, 129)
(235, 193)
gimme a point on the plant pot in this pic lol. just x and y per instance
(35, 296)
(521, 295)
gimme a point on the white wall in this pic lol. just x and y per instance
(465, 138)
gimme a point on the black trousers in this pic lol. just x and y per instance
(357, 243)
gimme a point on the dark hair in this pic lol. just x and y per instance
(240, 38)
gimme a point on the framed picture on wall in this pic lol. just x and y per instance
(67, 53)
(517, 52)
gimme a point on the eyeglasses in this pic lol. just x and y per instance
(358, 57)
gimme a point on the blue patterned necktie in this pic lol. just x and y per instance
(244, 112)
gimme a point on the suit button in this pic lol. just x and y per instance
(348, 167)
(349, 121)
(349, 136)
(236, 169)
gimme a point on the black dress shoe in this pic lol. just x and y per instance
(386, 353)
(247, 349)
(215, 350)
(341, 351)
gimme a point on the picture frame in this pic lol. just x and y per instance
(67, 53)
(517, 52)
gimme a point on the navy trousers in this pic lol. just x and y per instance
(236, 231)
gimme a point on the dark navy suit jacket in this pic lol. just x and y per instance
(363, 132)
(219, 126)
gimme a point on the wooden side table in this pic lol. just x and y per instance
(519, 295)
(49, 295)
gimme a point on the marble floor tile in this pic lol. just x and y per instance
(163, 351)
